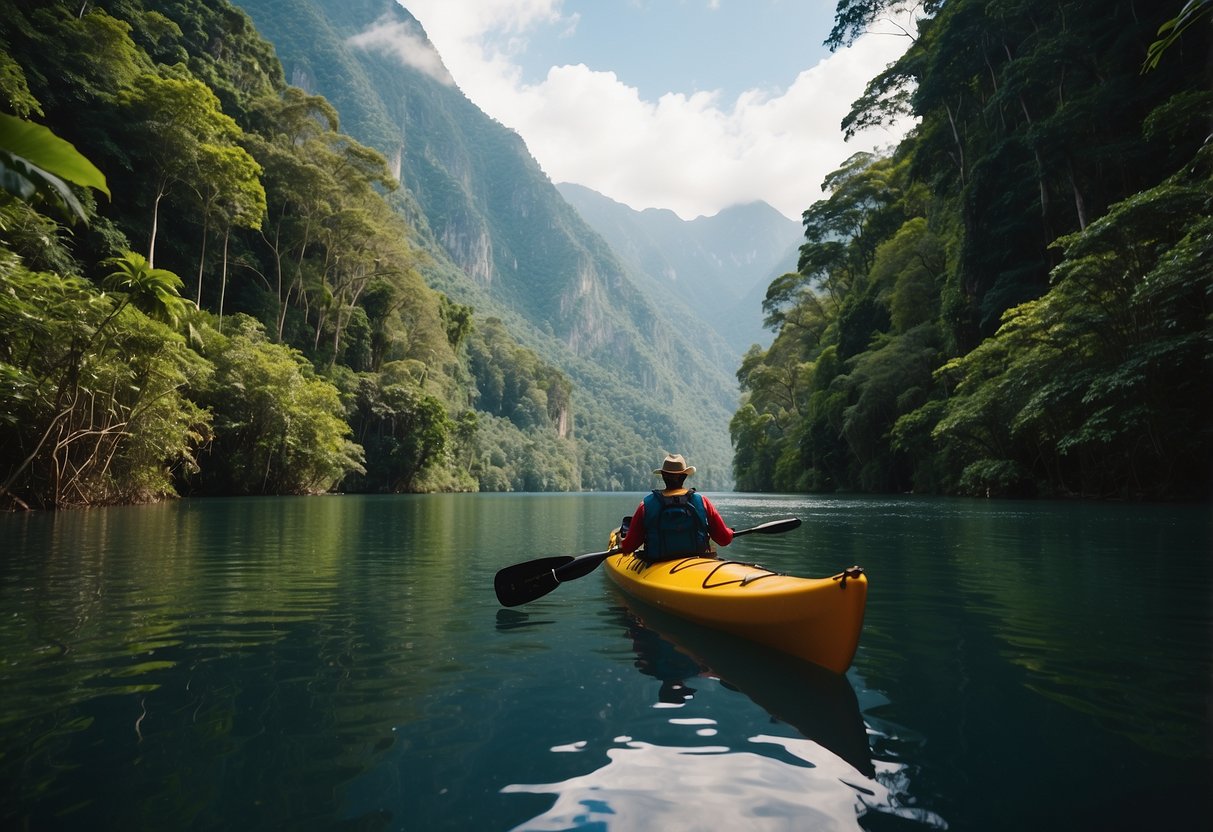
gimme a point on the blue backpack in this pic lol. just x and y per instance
(674, 526)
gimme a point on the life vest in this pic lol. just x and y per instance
(675, 526)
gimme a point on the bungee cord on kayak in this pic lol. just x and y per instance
(748, 579)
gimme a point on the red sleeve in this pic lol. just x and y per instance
(717, 529)
(635, 536)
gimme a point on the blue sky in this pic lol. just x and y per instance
(686, 45)
(690, 105)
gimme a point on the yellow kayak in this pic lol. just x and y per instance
(817, 619)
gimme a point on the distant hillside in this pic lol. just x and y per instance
(506, 242)
(717, 265)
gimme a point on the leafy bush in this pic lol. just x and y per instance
(278, 427)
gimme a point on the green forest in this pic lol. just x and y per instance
(1015, 301)
(208, 288)
(235, 305)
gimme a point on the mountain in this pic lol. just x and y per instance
(503, 240)
(720, 266)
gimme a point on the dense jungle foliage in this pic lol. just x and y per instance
(1016, 300)
(210, 290)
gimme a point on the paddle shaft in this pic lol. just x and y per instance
(525, 582)
(773, 527)
(585, 564)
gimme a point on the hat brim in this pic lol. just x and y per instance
(690, 469)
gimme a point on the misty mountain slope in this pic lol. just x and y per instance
(502, 237)
(713, 264)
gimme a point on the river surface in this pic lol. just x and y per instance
(342, 663)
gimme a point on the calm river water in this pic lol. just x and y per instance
(342, 663)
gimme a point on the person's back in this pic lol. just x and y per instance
(675, 521)
(676, 525)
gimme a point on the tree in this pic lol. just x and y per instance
(279, 428)
(177, 118)
(227, 184)
(755, 449)
(853, 18)
(843, 230)
(331, 233)
(968, 315)
(1100, 387)
(92, 390)
(404, 430)
(93, 402)
(299, 193)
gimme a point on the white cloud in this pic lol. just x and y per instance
(460, 25)
(407, 44)
(694, 154)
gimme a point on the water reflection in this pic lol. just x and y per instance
(823, 779)
(510, 619)
(819, 704)
(784, 783)
(646, 786)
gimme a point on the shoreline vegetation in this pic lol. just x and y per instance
(206, 288)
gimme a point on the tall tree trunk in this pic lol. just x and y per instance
(1080, 204)
(206, 221)
(283, 299)
(151, 245)
(960, 150)
(227, 233)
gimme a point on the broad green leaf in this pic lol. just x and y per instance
(54, 155)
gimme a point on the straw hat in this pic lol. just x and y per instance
(674, 464)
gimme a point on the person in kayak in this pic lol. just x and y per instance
(675, 521)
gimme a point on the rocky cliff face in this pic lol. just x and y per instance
(488, 208)
(715, 265)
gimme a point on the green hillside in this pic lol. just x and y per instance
(519, 251)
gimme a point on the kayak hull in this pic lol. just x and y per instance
(816, 619)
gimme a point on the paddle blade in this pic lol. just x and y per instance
(524, 582)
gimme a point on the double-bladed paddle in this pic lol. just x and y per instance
(524, 582)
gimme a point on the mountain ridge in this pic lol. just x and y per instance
(712, 263)
(504, 240)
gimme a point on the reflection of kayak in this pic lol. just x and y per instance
(817, 619)
(819, 704)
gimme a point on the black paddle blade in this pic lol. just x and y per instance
(524, 582)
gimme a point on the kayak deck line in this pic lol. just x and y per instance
(748, 579)
(639, 564)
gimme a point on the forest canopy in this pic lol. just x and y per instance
(207, 288)
(1016, 299)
